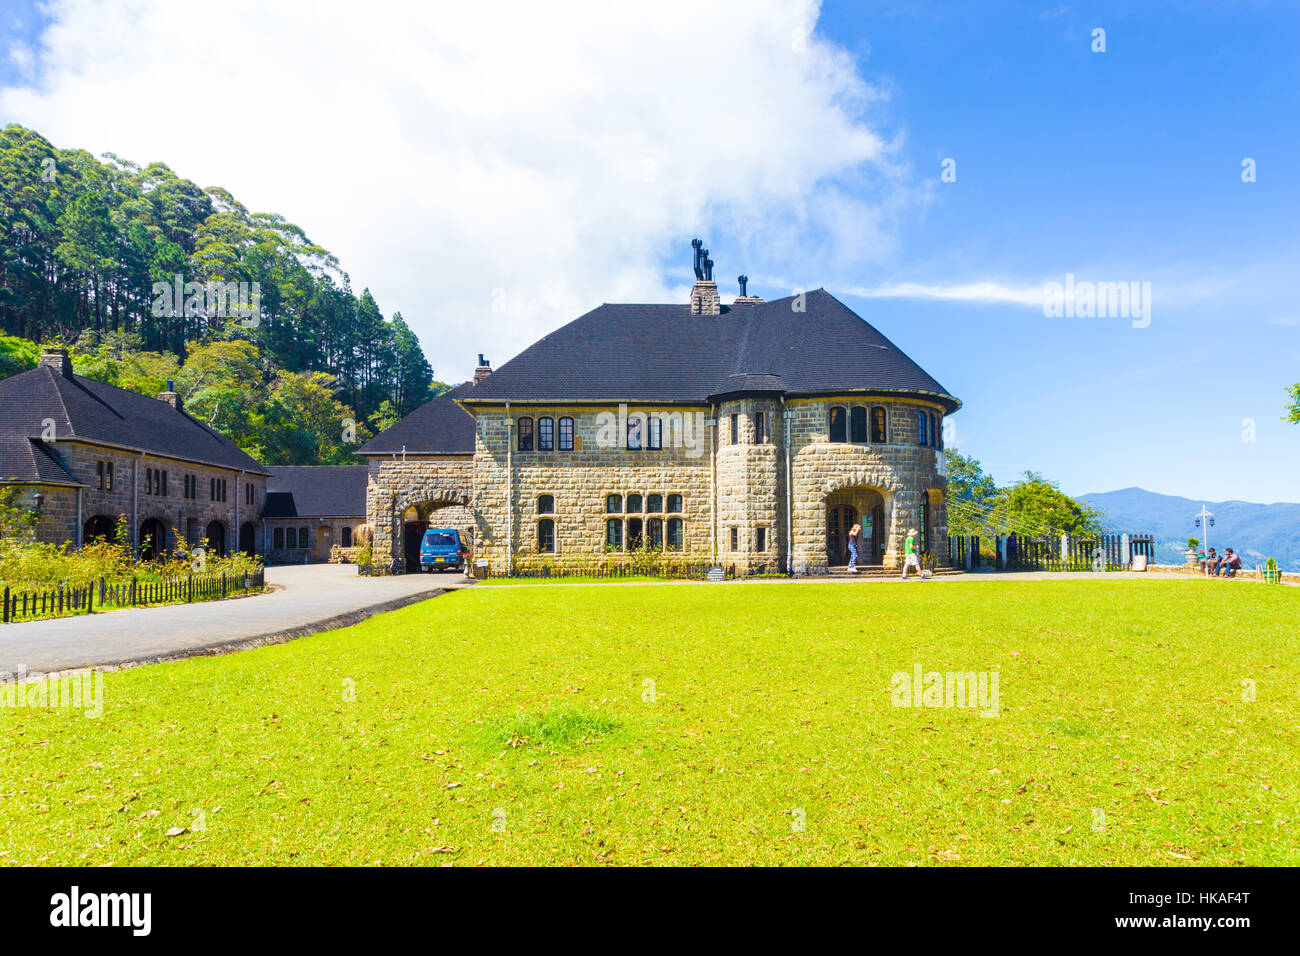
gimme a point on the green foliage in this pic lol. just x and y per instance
(83, 243)
(1193, 543)
(1030, 507)
(1293, 408)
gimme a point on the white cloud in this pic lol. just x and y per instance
(560, 153)
(983, 291)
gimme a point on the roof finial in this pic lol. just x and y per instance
(744, 281)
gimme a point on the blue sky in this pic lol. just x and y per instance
(573, 159)
(1123, 165)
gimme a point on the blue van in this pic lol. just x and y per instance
(440, 549)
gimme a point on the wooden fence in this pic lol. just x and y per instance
(63, 599)
(1105, 552)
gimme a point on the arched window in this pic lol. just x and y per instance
(525, 434)
(291, 538)
(676, 534)
(633, 504)
(546, 536)
(654, 504)
(858, 424)
(675, 504)
(879, 433)
(634, 433)
(566, 434)
(634, 539)
(614, 504)
(836, 424)
(654, 532)
(938, 432)
(923, 428)
(546, 504)
(545, 434)
(345, 536)
(614, 534)
(278, 538)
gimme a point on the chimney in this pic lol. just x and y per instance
(56, 359)
(744, 291)
(170, 396)
(704, 296)
(484, 369)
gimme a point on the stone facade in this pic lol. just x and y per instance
(732, 470)
(314, 538)
(67, 513)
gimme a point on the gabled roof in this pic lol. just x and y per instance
(439, 427)
(316, 491)
(86, 409)
(26, 460)
(663, 353)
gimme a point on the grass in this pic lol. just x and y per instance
(673, 725)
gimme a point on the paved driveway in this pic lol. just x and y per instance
(309, 598)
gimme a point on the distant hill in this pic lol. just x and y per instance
(1257, 531)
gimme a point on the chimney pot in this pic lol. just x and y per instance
(484, 369)
(56, 359)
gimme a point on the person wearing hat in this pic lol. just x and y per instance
(910, 560)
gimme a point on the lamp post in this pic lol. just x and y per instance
(1205, 521)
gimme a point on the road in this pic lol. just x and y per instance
(306, 599)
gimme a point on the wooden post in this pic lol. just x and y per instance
(6, 613)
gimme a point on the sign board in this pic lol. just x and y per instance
(480, 563)
(716, 574)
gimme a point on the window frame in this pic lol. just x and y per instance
(760, 428)
(634, 425)
(524, 442)
(923, 427)
(679, 524)
(546, 433)
(883, 431)
(277, 539)
(613, 530)
(542, 507)
(654, 433)
(842, 429)
(680, 501)
(562, 444)
(859, 425)
(611, 499)
(546, 536)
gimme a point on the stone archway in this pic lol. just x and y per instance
(857, 504)
(403, 494)
(99, 528)
(153, 539)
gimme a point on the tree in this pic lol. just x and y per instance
(971, 496)
(1293, 410)
(1036, 506)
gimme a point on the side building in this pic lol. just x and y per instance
(313, 509)
(93, 461)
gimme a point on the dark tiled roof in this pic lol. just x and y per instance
(91, 410)
(439, 427)
(316, 491)
(29, 460)
(663, 353)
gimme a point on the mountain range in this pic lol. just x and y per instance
(1257, 531)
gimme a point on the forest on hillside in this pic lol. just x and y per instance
(146, 277)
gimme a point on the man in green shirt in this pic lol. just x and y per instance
(910, 560)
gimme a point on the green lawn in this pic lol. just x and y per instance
(498, 725)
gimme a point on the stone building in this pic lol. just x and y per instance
(84, 456)
(312, 509)
(753, 434)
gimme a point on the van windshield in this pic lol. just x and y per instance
(439, 538)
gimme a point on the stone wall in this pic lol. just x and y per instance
(725, 485)
(431, 484)
(323, 535)
(900, 469)
(189, 516)
(508, 482)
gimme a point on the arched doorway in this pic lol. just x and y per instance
(857, 505)
(418, 518)
(153, 539)
(247, 538)
(99, 528)
(216, 535)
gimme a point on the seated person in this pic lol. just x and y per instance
(1209, 562)
(1230, 564)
